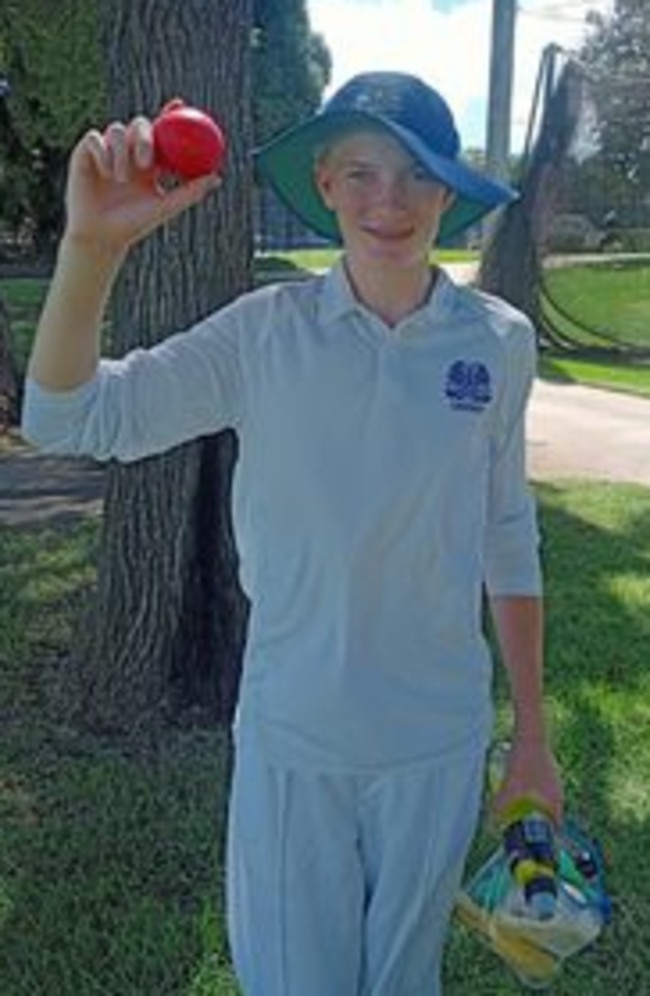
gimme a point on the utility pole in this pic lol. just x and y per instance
(500, 87)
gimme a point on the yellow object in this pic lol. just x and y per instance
(533, 965)
(526, 870)
(521, 808)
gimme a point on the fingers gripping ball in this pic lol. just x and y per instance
(187, 141)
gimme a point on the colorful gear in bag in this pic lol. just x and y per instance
(493, 905)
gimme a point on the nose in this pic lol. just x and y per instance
(393, 190)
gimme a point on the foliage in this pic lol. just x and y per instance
(43, 43)
(291, 66)
(52, 58)
(617, 58)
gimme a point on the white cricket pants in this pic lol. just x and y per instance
(343, 885)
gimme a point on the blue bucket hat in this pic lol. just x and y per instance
(413, 113)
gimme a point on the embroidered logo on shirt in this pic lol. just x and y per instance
(468, 386)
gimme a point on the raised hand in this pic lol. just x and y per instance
(115, 194)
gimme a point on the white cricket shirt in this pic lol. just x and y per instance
(380, 485)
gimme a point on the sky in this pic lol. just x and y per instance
(447, 43)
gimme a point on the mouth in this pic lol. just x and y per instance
(389, 234)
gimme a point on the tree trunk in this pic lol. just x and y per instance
(170, 617)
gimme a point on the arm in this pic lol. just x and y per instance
(113, 200)
(514, 582)
(65, 352)
(531, 769)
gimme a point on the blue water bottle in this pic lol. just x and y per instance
(529, 843)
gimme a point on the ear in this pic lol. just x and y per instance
(323, 182)
(450, 197)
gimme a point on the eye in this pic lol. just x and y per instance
(360, 173)
(418, 172)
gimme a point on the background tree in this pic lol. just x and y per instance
(291, 66)
(168, 625)
(50, 52)
(617, 57)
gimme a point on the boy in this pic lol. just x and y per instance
(380, 486)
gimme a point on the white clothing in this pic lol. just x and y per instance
(343, 884)
(380, 485)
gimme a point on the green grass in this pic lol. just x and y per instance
(110, 872)
(596, 543)
(23, 298)
(626, 376)
(611, 297)
(321, 259)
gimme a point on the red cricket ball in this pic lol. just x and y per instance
(187, 141)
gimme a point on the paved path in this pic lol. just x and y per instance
(38, 488)
(576, 431)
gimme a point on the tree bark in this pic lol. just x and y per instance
(169, 620)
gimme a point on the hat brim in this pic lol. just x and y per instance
(287, 162)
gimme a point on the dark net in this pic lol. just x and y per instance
(574, 251)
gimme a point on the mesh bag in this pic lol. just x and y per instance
(493, 906)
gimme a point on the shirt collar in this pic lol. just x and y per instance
(337, 298)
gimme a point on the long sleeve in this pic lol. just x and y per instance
(511, 553)
(149, 401)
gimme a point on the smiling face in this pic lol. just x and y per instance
(388, 207)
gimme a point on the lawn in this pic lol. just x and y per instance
(23, 298)
(110, 871)
(627, 376)
(611, 298)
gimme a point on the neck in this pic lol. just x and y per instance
(392, 294)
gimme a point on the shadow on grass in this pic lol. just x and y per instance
(596, 548)
(596, 554)
(551, 370)
(110, 869)
(110, 852)
(597, 557)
